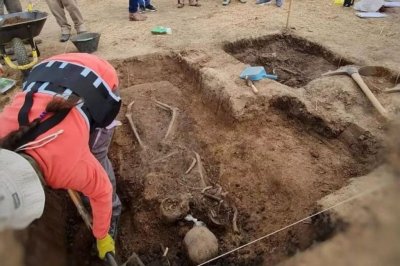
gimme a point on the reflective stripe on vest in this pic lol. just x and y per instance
(101, 105)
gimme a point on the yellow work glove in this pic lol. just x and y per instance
(105, 245)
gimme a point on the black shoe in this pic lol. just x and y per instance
(142, 9)
(64, 37)
(151, 8)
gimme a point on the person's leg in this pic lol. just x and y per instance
(99, 143)
(149, 6)
(142, 6)
(57, 9)
(76, 15)
(13, 6)
(133, 6)
(133, 11)
(279, 3)
(1, 7)
(262, 2)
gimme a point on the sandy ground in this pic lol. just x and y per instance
(274, 168)
(367, 41)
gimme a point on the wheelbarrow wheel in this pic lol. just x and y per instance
(20, 51)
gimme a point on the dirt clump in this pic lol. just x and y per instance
(14, 20)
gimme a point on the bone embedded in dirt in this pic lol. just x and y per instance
(200, 244)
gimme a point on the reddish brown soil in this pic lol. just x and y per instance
(245, 158)
(274, 169)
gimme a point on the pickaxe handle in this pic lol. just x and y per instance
(371, 97)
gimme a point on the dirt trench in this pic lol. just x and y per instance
(272, 170)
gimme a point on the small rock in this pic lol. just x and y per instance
(314, 154)
(200, 244)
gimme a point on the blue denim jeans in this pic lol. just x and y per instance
(133, 6)
(144, 2)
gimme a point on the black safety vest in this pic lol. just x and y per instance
(100, 105)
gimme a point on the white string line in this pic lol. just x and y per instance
(302, 220)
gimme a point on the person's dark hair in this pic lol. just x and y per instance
(13, 140)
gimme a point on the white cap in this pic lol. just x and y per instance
(21, 193)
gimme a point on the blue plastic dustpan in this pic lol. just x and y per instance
(256, 73)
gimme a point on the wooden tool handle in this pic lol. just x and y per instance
(81, 209)
(371, 97)
(254, 88)
(392, 90)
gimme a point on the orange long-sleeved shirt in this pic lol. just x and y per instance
(67, 162)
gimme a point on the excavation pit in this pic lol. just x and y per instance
(295, 60)
(273, 169)
(269, 171)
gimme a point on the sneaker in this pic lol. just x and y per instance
(151, 8)
(226, 2)
(243, 1)
(64, 37)
(142, 9)
(279, 3)
(262, 2)
(137, 17)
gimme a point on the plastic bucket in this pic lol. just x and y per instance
(86, 42)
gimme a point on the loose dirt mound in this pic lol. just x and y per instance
(14, 20)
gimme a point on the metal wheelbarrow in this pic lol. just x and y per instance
(15, 30)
